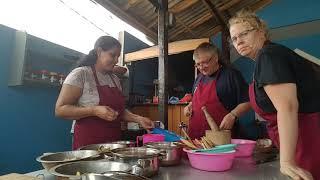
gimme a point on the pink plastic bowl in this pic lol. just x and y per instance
(244, 147)
(210, 161)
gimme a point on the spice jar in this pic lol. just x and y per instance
(35, 74)
(61, 78)
(44, 74)
(53, 77)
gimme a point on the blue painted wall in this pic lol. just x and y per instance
(28, 126)
(288, 12)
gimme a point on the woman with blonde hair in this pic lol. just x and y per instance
(285, 92)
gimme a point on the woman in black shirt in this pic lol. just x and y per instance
(285, 92)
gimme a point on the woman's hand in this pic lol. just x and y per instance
(105, 112)
(227, 122)
(146, 123)
(187, 111)
(295, 172)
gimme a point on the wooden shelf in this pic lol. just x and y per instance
(40, 82)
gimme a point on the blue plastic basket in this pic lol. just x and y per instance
(169, 136)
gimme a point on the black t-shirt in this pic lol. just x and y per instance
(231, 88)
(278, 64)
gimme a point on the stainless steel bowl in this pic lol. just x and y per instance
(144, 161)
(104, 146)
(171, 152)
(136, 152)
(49, 160)
(74, 170)
(127, 143)
(113, 175)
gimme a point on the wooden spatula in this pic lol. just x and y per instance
(189, 144)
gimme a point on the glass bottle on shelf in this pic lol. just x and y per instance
(53, 77)
(61, 78)
(44, 74)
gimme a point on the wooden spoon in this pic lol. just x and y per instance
(189, 144)
(185, 133)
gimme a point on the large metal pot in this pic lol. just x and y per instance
(127, 143)
(74, 170)
(112, 176)
(144, 161)
(172, 152)
(104, 148)
(49, 160)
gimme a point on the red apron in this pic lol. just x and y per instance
(94, 130)
(205, 95)
(308, 145)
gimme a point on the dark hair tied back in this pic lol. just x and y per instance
(105, 43)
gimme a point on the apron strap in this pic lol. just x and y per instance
(109, 74)
(95, 75)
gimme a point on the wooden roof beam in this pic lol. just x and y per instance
(175, 9)
(229, 5)
(129, 19)
(200, 21)
(130, 4)
(187, 28)
(260, 4)
(209, 15)
(182, 6)
(216, 13)
(193, 25)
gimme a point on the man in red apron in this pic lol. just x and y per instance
(220, 88)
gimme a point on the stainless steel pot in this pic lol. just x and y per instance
(74, 170)
(172, 152)
(127, 143)
(103, 147)
(49, 160)
(144, 161)
(112, 176)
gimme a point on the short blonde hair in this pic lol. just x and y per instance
(206, 47)
(211, 49)
(246, 15)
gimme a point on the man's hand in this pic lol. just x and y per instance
(187, 111)
(227, 122)
(295, 172)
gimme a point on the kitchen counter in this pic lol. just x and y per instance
(243, 169)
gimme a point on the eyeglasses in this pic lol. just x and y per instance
(205, 63)
(241, 35)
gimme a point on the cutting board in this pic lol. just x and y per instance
(15, 176)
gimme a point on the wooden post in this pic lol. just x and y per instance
(163, 61)
(225, 30)
(225, 45)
